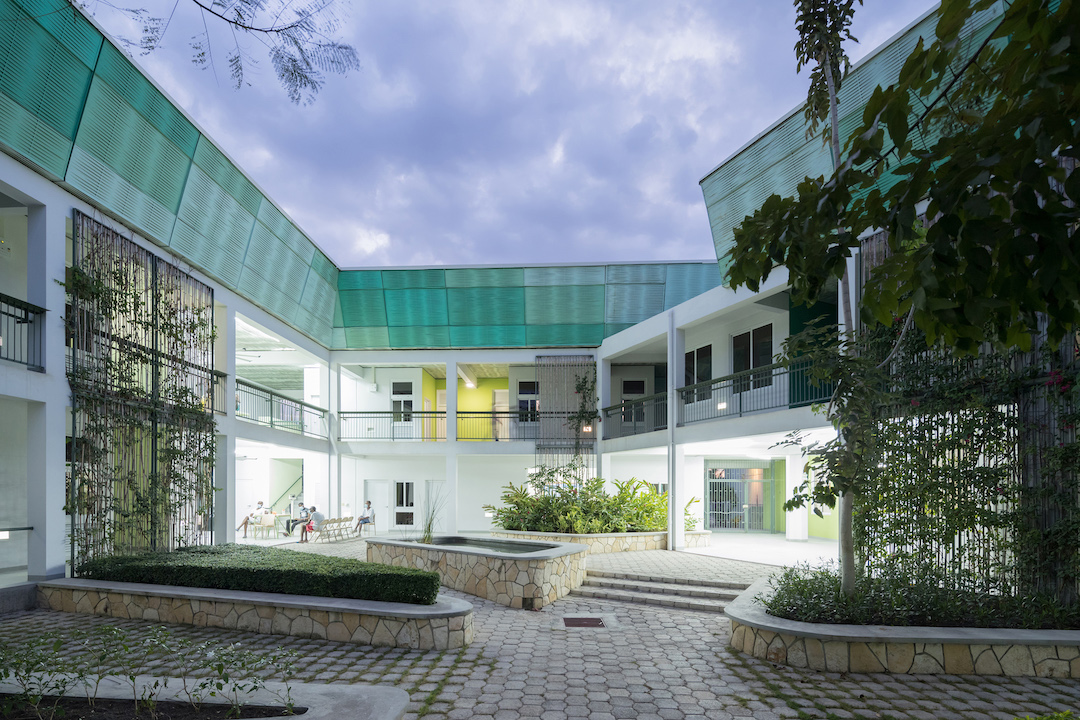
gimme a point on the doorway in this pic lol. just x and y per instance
(739, 495)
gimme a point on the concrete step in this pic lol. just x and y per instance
(649, 598)
(654, 587)
(683, 582)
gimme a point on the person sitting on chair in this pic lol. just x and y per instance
(366, 516)
(259, 510)
(302, 520)
(313, 525)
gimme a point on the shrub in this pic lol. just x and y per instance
(898, 597)
(256, 569)
(558, 500)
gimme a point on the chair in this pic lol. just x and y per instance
(370, 525)
(265, 525)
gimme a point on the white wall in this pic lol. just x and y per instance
(481, 480)
(357, 470)
(13, 251)
(519, 373)
(252, 484)
(631, 372)
(13, 469)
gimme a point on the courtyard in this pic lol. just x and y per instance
(647, 662)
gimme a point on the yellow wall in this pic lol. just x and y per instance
(478, 399)
(427, 391)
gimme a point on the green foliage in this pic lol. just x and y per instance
(690, 521)
(558, 500)
(256, 569)
(823, 25)
(1063, 715)
(906, 597)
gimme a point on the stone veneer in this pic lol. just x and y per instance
(611, 542)
(900, 650)
(444, 626)
(527, 580)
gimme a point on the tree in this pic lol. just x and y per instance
(298, 38)
(979, 136)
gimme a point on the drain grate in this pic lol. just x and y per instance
(585, 622)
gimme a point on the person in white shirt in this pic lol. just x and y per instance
(366, 516)
(315, 523)
(259, 510)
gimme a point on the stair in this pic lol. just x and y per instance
(679, 593)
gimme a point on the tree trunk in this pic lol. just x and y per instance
(847, 501)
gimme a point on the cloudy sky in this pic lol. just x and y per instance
(505, 131)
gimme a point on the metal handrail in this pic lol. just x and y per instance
(21, 336)
(637, 416)
(392, 425)
(430, 425)
(769, 387)
(264, 406)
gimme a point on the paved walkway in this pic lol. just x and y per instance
(649, 663)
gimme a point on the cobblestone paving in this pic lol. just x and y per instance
(661, 563)
(649, 663)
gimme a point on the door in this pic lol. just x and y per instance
(440, 407)
(500, 416)
(739, 499)
(378, 492)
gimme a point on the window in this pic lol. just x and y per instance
(403, 500)
(698, 370)
(752, 350)
(658, 488)
(632, 390)
(402, 407)
(528, 401)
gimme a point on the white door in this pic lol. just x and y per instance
(500, 419)
(440, 407)
(378, 492)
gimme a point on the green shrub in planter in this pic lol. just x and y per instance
(256, 569)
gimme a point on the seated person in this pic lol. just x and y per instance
(366, 516)
(305, 514)
(314, 523)
(259, 510)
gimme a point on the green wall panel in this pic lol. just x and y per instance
(420, 337)
(266, 293)
(319, 298)
(99, 183)
(484, 277)
(613, 328)
(25, 134)
(403, 279)
(656, 274)
(688, 281)
(220, 261)
(588, 275)
(416, 307)
(39, 73)
(214, 163)
(147, 100)
(362, 307)
(73, 31)
(326, 269)
(553, 305)
(213, 213)
(486, 306)
(487, 336)
(288, 233)
(633, 303)
(272, 259)
(315, 326)
(359, 280)
(144, 157)
(564, 335)
(367, 337)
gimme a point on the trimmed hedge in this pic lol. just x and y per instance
(257, 569)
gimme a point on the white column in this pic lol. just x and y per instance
(676, 344)
(451, 500)
(797, 521)
(333, 396)
(451, 401)
(225, 512)
(47, 546)
(225, 361)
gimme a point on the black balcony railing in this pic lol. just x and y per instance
(388, 425)
(266, 407)
(766, 388)
(634, 417)
(217, 392)
(22, 333)
(476, 426)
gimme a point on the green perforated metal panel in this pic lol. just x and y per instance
(564, 335)
(266, 293)
(403, 279)
(362, 307)
(99, 183)
(367, 337)
(214, 163)
(319, 297)
(359, 280)
(213, 213)
(326, 269)
(486, 306)
(420, 337)
(24, 134)
(39, 73)
(636, 274)
(418, 307)
(221, 262)
(687, 281)
(484, 277)
(275, 261)
(588, 275)
(633, 303)
(146, 99)
(553, 305)
(270, 216)
(488, 336)
(69, 28)
(613, 328)
(112, 131)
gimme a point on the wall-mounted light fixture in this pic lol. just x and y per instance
(721, 406)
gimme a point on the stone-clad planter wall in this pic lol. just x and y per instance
(444, 626)
(611, 542)
(529, 581)
(900, 650)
